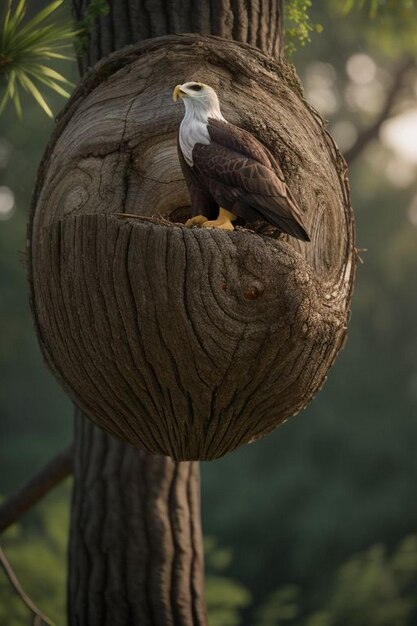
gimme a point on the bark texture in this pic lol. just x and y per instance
(136, 546)
(255, 22)
(114, 151)
(153, 329)
(136, 524)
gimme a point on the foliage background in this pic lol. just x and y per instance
(314, 525)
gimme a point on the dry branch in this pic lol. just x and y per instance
(38, 616)
(54, 472)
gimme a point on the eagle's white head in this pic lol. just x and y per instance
(201, 104)
(200, 101)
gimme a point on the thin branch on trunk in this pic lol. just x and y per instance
(38, 616)
(53, 473)
(368, 134)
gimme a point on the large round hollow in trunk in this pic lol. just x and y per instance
(187, 342)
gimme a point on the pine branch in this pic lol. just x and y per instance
(53, 473)
(26, 49)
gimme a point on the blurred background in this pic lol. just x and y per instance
(316, 525)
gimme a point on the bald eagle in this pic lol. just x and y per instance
(228, 172)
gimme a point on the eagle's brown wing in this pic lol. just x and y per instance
(241, 141)
(239, 175)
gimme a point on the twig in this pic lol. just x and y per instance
(157, 219)
(53, 473)
(358, 256)
(366, 135)
(39, 617)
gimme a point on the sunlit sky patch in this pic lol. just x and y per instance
(366, 98)
(361, 69)
(390, 166)
(6, 203)
(400, 134)
(319, 85)
(399, 172)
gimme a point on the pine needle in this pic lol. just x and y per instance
(25, 48)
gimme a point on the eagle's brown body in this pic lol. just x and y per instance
(236, 172)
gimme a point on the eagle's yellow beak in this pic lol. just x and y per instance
(177, 93)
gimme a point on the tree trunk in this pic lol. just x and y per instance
(258, 23)
(136, 553)
(286, 304)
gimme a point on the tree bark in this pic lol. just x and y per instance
(153, 327)
(152, 569)
(136, 538)
(258, 23)
(136, 551)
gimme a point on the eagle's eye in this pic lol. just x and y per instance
(195, 87)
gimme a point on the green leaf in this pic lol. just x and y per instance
(15, 19)
(9, 93)
(52, 85)
(34, 91)
(24, 50)
(42, 15)
(17, 105)
(298, 24)
(45, 52)
(48, 71)
(5, 99)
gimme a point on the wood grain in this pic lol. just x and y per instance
(186, 342)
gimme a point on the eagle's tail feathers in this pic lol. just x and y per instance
(281, 212)
(289, 225)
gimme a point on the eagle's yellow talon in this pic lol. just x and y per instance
(198, 220)
(224, 221)
(219, 223)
